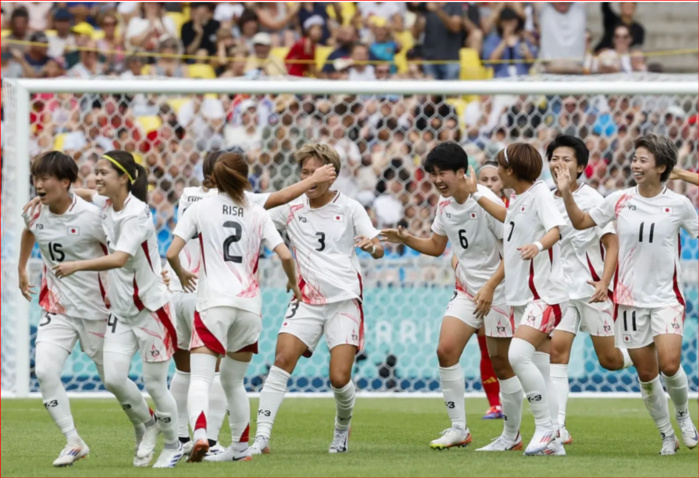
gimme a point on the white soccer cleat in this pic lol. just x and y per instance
(187, 447)
(690, 437)
(215, 450)
(142, 461)
(198, 451)
(261, 446)
(235, 452)
(340, 443)
(565, 436)
(539, 442)
(169, 457)
(670, 445)
(554, 448)
(451, 437)
(71, 453)
(148, 442)
(503, 444)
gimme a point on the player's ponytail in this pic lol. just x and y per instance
(208, 168)
(124, 164)
(230, 175)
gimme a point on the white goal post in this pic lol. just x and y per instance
(17, 145)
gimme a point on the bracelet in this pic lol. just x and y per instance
(539, 245)
(477, 195)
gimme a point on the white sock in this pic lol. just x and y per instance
(656, 403)
(453, 389)
(344, 404)
(520, 355)
(511, 397)
(271, 398)
(49, 364)
(543, 363)
(155, 380)
(116, 380)
(202, 369)
(677, 389)
(218, 406)
(627, 358)
(232, 381)
(179, 388)
(561, 389)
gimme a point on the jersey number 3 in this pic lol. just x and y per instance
(235, 237)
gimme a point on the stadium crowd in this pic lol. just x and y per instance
(382, 140)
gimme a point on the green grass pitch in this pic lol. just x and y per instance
(612, 437)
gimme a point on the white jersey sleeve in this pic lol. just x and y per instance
(361, 221)
(546, 210)
(280, 216)
(689, 219)
(257, 199)
(606, 211)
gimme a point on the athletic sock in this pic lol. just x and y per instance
(560, 388)
(656, 403)
(453, 389)
(271, 398)
(489, 380)
(512, 398)
(344, 404)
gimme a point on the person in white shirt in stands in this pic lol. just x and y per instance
(649, 304)
(589, 261)
(324, 228)
(227, 321)
(534, 283)
(360, 69)
(66, 228)
(140, 312)
(184, 305)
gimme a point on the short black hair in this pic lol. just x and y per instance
(56, 164)
(20, 12)
(582, 154)
(447, 156)
(663, 149)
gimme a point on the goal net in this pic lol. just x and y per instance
(382, 131)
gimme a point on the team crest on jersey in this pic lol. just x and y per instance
(667, 210)
(73, 231)
(472, 215)
(338, 218)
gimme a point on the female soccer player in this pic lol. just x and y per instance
(589, 270)
(139, 314)
(227, 321)
(649, 305)
(66, 228)
(184, 304)
(533, 283)
(324, 228)
(479, 298)
(488, 176)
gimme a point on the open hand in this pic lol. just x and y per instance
(397, 236)
(528, 252)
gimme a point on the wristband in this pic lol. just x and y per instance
(477, 195)
(373, 249)
(539, 245)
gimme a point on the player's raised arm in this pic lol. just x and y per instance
(434, 246)
(687, 176)
(326, 173)
(498, 211)
(579, 218)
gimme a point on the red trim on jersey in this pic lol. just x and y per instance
(144, 246)
(209, 339)
(551, 311)
(103, 293)
(164, 317)
(532, 287)
(679, 246)
(36, 216)
(302, 285)
(551, 254)
(201, 246)
(676, 288)
(616, 311)
(104, 249)
(248, 348)
(257, 263)
(595, 277)
(201, 422)
(360, 303)
(44, 292)
(136, 299)
(245, 437)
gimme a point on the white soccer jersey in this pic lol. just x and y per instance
(648, 273)
(75, 235)
(190, 257)
(529, 216)
(581, 251)
(323, 243)
(475, 238)
(138, 285)
(229, 238)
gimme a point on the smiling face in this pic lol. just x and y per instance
(446, 181)
(50, 189)
(109, 182)
(308, 167)
(565, 156)
(644, 168)
(489, 178)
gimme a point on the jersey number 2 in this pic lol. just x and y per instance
(235, 237)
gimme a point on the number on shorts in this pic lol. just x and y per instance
(633, 322)
(235, 237)
(463, 239)
(111, 322)
(294, 308)
(56, 252)
(321, 241)
(47, 318)
(512, 228)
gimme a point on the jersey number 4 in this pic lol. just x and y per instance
(235, 237)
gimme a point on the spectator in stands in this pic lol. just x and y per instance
(89, 64)
(111, 45)
(318, 11)
(261, 59)
(145, 30)
(441, 24)
(19, 28)
(235, 67)
(346, 37)
(472, 21)
(39, 14)
(507, 42)
(228, 13)
(562, 43)
(391, 12)
(277, 19)
(168, 62)
(305, 49)
(247, 134)
(83, 33)
(84, 11)
(384, 47)
(360, 70)
(617, 59)
(249, 25)
(203, 118)
(225, 42)
(133, 66)
(36, 57)
(63, 39)
(200, 31)
(611, 20)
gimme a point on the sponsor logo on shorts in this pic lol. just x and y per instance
(154, 352)
(355, 337)
(607, 328)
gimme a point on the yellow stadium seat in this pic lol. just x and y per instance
(145, 69)
(5, 33)
(280, 52)
(58, 141)
(471, 67)
(348, 10)
(406, 40)
(178, 19)
(50, 33)
(322, 53)
(149, 123)
(186, 10)
(177, 103)
(201, 71)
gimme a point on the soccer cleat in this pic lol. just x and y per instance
(493, 413)
(215, 450)
(690, 437)
(340, 443)
(198, 451)
(187, 447)
(539, 442)
(451, 437)
(71, 453)
(169, 457)
(235, 452)
(554, 448)
(261, 446)
(148, 442)
(503, 444)
(142, 462)
(565, 436)
(670, 445)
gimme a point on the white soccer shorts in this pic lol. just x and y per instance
(65, 331)
(636, 327)
(595, 318)
(498, 323)
(226, 329)
(150, 333)
(540, 315)
(341, 322)
(184, 305)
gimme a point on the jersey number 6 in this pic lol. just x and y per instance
(235, 237)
